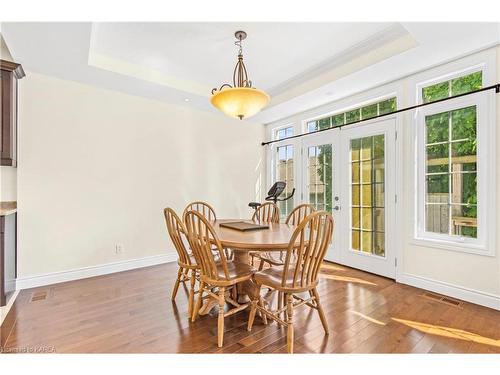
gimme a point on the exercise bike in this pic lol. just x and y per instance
(273, 194)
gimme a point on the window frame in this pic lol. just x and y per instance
(484, 244)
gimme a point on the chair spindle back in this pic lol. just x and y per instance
(178, 234)
(267, 213)
(313, 236)
(203, 241)
(299, 213)
(203, 208)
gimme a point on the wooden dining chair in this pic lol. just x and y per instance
(267, 213)
(277, 258)
(215, 273)
(310, 241)
(209, 213)
(203, 208)
(186, 261)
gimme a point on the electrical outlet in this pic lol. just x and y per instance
(119, 248)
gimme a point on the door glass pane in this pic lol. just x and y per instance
(366, 242)
(368, 194)
(355, 217)
(355, 148)
(355, 239)
(355, 196)
(355, 172)
(319, 176)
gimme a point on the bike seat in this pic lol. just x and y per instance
(254, 205)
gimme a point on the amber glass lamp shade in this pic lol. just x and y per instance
(240, 102)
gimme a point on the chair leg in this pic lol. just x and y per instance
(198, 302)
(280, 301)
(264, 316)
(289, 322)
(251, 317)
(220, 323)
(191, 293)
(261, 265)
(176, 285)
(234, 292)
(320, 311)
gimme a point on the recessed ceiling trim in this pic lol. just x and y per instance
(115, 65)
(111, 64)
(377, 40)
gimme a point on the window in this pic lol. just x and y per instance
(451, 173)
(362, 113)
(283, 168)
(451, 135)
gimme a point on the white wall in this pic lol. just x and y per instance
(471, 277)
(97, 167)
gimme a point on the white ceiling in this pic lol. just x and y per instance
(302, 65)
(205, 52)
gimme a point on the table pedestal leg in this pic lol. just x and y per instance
(247, 290)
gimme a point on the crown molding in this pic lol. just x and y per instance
(13, 67)
(375, 41)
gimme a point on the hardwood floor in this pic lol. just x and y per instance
(131, 312)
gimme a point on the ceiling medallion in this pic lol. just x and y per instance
(240, 100)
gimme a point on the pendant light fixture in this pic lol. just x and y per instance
(240, 100)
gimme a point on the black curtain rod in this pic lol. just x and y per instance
(492, 87)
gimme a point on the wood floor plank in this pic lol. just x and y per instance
(131, 312)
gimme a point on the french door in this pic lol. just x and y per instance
(320, 180)
(350, 173)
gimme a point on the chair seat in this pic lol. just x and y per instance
(272, 278)
(195, 265)
(237, 272)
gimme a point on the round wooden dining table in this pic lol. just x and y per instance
(274, 238)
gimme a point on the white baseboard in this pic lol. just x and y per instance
(84, 272)
(464, 294)
(4, 310)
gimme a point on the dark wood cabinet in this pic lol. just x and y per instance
(10, 74)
